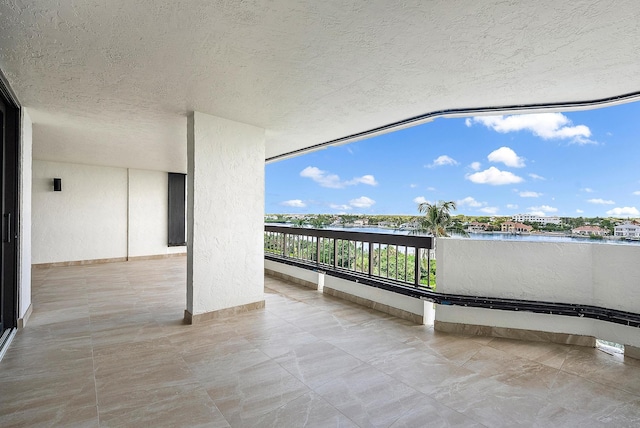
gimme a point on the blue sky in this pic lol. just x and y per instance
(571, 164)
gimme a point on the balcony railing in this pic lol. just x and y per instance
(398, 258)
(403, 264)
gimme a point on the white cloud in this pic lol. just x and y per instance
(420, 200)
(442, 161)
(322, 177)
(579, 211)
(544, 209)
(475, 165)
(548, 126)
(340, 207)
(431, 189)
(600, 201)
(469, 202)
(297, 203)
(326, 179)
(587, 190)
(506, 156)
(624, 211)
(468, 121)
(489, 210)
(512, 206)
(528, 194)
(413, 186)
(637, 193)
(493, 176)
(365, 179)
(536, 177)
(362, 202)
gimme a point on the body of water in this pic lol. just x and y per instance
(497, 236)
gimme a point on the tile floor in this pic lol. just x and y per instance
(106, 347)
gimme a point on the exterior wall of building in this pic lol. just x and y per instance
(627, 230)
(590, 274)
(529, 218)
(590, 230)
(509, 226)
(101, 213)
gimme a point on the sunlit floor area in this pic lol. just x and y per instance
(106, 346)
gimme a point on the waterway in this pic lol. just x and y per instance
(488, 236)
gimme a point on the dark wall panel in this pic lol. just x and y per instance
(177, 212)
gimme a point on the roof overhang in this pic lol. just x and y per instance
(111, 83)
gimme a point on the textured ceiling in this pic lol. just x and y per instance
(111, 82)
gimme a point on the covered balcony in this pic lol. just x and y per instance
(106, 345)
(133, 289)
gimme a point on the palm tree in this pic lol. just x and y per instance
(437, 217)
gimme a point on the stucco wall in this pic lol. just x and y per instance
(101, 213)
(305, 275)
(389, 298)
(225, 259)
(591, 274)
(148, 220)
(87, 220)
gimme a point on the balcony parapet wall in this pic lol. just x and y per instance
(598, 275)
(405, 307)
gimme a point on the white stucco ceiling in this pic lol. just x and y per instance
(111, 82)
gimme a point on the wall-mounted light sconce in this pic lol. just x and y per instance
(57, 184)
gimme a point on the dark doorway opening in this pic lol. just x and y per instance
(9, 140)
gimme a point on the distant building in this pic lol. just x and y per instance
(590, 230)
(515, 227)
(476, 227)
(627, 230)
(411, 225)
(387, 224)
(531, 218)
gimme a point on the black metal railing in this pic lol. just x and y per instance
(400, 258)
(360, 257)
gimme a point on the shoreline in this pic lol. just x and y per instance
(497, 235)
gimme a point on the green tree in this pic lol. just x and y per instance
(437, 217)
(317, 223)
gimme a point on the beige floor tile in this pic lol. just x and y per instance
(369, 397)
(309, 410)
(246, 395)
(186, 409)
(84, 417)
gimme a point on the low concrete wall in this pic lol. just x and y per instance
(305, 277)
(590, 274)
(401, 306)
(398, 305)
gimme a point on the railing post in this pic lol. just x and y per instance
(428, 267)
(417, 267)
(318, 250)
(284, 245)
(370, 258)
(335, 252)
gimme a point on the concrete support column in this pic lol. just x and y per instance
(225, 193)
